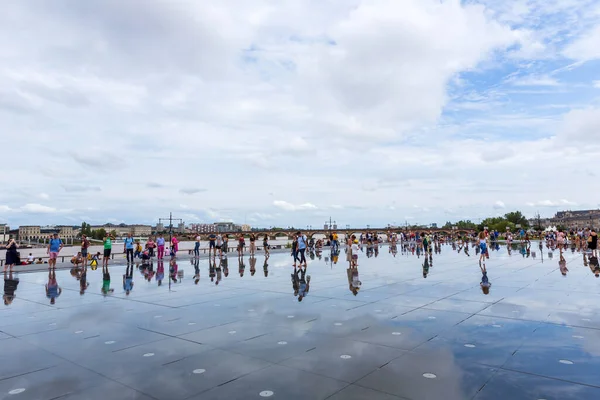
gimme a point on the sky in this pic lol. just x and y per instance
(286, 113)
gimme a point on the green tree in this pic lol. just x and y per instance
(517, 218)
(99, 234)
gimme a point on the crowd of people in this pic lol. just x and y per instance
(422, 244)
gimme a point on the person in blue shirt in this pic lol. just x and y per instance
(128, 248)
(54, 247)
(302, 243)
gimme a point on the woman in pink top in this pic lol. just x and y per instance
(560, 238)
(174, 245)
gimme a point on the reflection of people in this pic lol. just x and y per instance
(242, 267)
(10, 287)
(562, 264)
(425, 267)
(266, 266)
(83, 283)
(485, 283)
(196, 263)
(252, 265)
(106, 281)
(53, 291)
(304, 283)
(354, 282)
(160, 271)
(128, 279)
(594, 266)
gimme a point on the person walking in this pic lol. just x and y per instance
(174, 246)
(266, 245)
(54, 247)
(128, 248)
(12, 255)
(302, 248)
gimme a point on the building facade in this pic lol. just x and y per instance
(29, 232)
(246, 228)
(203, 228)
(577, 219)
(4, 233)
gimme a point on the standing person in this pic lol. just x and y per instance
(85, 244)
(266, 245)
(354, 251)
(252, 244)
(107, 250)
(150, 245)
(54, 247)
(197, 247)
(212, 244)
(224, 246)
(174, 246)
(128, 279)
(483, 247)
(302, 248)
(593, 242)
(12, 254)
(295, 249)
(349, 242)
(160, 244)
(128, 248)
(219, 245)
(241, 245)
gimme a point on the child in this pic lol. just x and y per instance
(483, 247)
(355, 251)
(485, 283)
(138, 250)
(95, 259)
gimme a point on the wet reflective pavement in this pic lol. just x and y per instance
(536, 335)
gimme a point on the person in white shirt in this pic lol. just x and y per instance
(220, 244)
(30, 259)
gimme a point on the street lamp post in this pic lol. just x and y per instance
(170, 219)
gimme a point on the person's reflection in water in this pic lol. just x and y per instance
(241, 266)
(252, 265)
(219, 273)
(354, 282)
(224, 262)
(485, 283)
(295, 282)
(173, 269)
(11, 281)
(106, 281)
(53, 291)
(304, 283)
(196, 263)
(266, 267)
(594, 266)
(160, 271)
(426, 267)
(212, 269)
(83, 282)
(562, 264)
(128, 279)
(311, 254)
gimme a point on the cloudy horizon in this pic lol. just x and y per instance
(286, 113)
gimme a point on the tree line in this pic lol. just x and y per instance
(501, 224)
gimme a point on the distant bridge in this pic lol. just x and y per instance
(287, 233)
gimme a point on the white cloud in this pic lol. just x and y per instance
(37, 209)
(499, 205)
(551, 203)
(596, 84)
(585, 48)
(344, 103)
(284, 205)
(44, 196)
